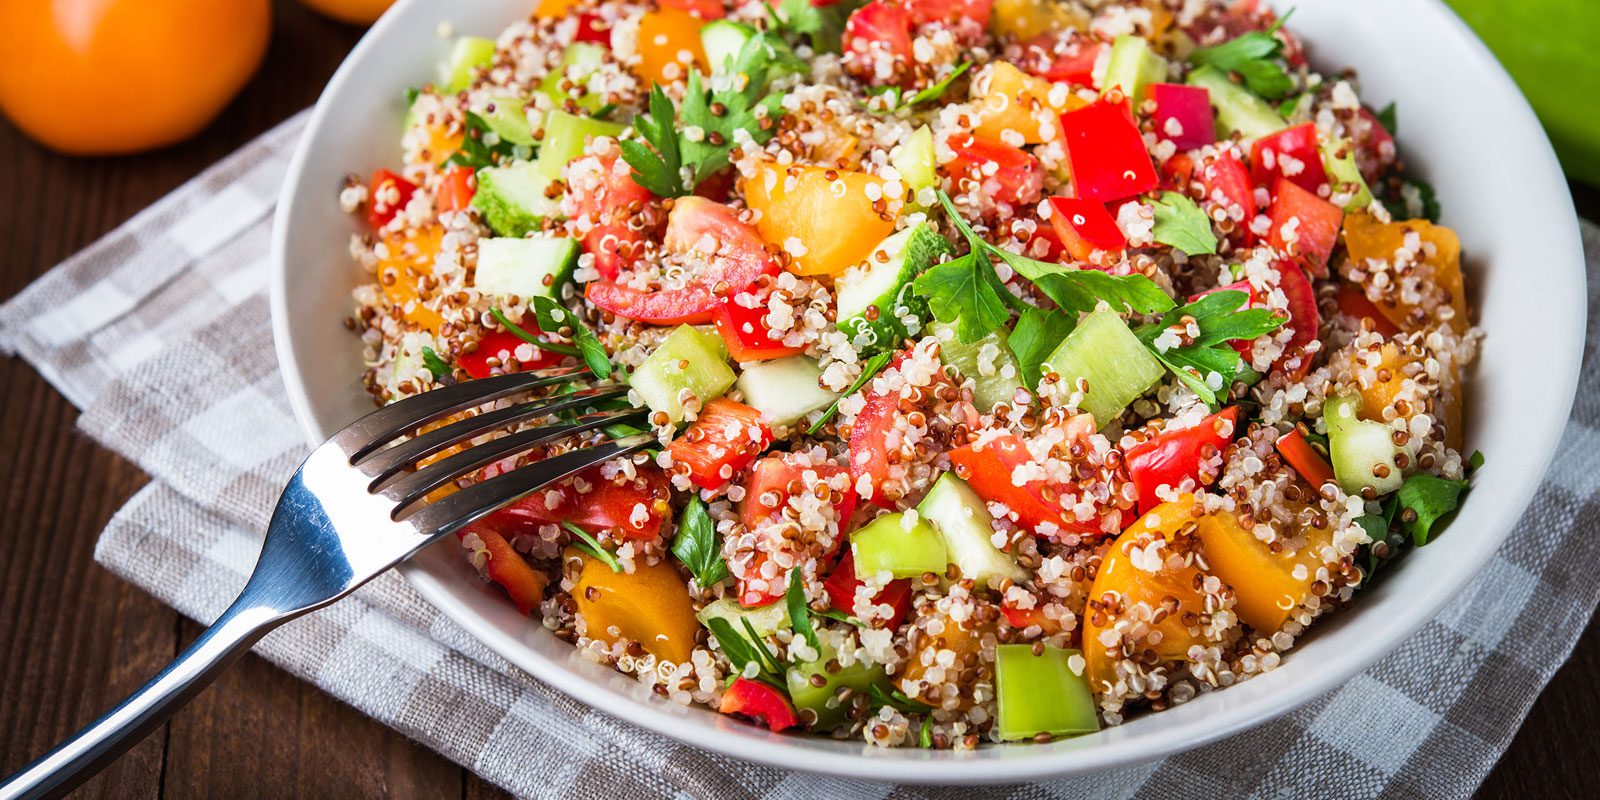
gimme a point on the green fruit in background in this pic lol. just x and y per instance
(1550, 48)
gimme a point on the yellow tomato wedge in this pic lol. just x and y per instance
(1026, 19)
(553, 9)
(649, 605)
(965, 639)
(1266, 585)
(1366, 238)
(1389, 385)
(410, 256)
(826, 219)
(669, 45)
(1012, 100)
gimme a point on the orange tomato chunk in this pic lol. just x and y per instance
(649, 605)
(823, 218)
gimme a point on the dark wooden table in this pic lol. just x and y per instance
(74, 639)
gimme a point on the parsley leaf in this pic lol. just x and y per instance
(873, 366)
(435, 365)
(897, 700)
(741, 651)
(554, 317)
(1033, 339)
(840, 616)
(658, 171)
(1256, 56)
(799, 612)
(925, 738)
(697, 544)
(1422, 500)
(1220, 321)
(1082, 290)
(588, 544)
(1389, 118)
(1181, 224)
(959, 293)
(517, 330)
(822, 26)
(896, 99)
(475, 154)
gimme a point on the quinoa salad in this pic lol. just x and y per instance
(1008, 367)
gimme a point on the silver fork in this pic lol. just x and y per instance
(355, 508)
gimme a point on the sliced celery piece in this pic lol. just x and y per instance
(892, 543)
(1103, 351)
(1041, 694)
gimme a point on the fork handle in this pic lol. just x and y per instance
(77, 759)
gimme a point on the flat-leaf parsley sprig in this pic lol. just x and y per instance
(691, 143)
(1256, 56)
(1206, 362)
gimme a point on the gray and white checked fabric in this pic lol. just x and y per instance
(160, 334)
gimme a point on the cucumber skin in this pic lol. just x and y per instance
(922, 250)
(1041, 694)
(1237, 109)
(1089, 352)
(658, 380)
(528, 250)
(497, 202)
(947, 506)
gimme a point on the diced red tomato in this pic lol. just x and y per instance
(1291, 150)
(988, 470)
(502, 345)
(1109, 160)
(506, 567)
(601, 188)
(869, 454)
(774, 474)
(704, 9)
(456, 188)
(607, 506)
(744, 329)
(1018, 177)
(1315, 229)
(1066, 57)
(1375, 148)
(1183, 114)
(1354, 303)
(1305, 460)
(1303, 319)
(741, 258)
(758, 701)
(879, 29)
(593, 29)
(924, 12)
(387, 194)
(1175, 457)
(721, 442)
(1021, 618)
(1085, 226)
(1226, 184)
(841, 587)
(1177, 173)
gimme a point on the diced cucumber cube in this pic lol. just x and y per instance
(579, 62)
(1362, 451)
(469, 54)
(722, 40)
(766, 620)
(987, 361)
(915, 160)
(1343, 172)
(689, 363)
(1238, 109)
(1104, 352)
(873, 297)
(822, 700)
(507, 117)
(1133, 66)
(564, 137)
(1041, 693)
(524, 267)
(963, 519)
(785, 389)
(512, 198)
(896, 544)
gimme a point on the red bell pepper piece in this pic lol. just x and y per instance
(1353, 302)
(1305, 227)
(721, 442)
(1085, 226)
(774, 474)
(1375, 148)
(593, 29)
(1303, 319)
(1183, 114)
(456, 188)
(503, 345)
(1017, 178)
(387, 194)
(1107, 153)
(1226, 184)
(1305, 460)
(1173, 458)
(1021, 618)
(988, 469)
(506, 567)
(758, 701)
(841, 587)
(1290, 153)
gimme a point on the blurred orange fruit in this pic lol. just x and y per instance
(355, 12)
(95, 77)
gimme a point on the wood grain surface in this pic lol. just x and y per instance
(74, 639)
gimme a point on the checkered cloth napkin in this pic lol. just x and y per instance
(160, 334)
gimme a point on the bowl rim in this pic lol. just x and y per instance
(948, 767)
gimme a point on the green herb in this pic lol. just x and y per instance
(1181, 224)
(1220, 320)
(604, 112)
(1422, 500)
(1389, 119)
(897, 700)
(435, 365)
(895, 99)
(963, 292)
(841, 617)
(590, 545)
(1256, 57)
(622, 430)
(516, 330)
(697, 544)
(873, 366)
(412, 93)
(1377, 528)
(1034, 338)
(743, 103)
(1475, 461)
(799, 611)
(474, 153)
(925, 738)
(741, 651)
(553, 317)
(1426, 202)
(1082, 290)
(823, 27)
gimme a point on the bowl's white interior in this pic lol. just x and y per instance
(1463, 126)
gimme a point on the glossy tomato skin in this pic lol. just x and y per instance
(386, 196)
(1107, 152)
(841, 587)
(869, 453)
(601, 190)
(759, 701)
(607, 506)
(925, 12)
(1292, 149)
(989, 469)
(772, 477)
(503, 345)
(1304, 319)
(1375, 148)
(507, 568)
(456, 189)
(1354, 303)
(720, 443)
(690, 305)
(1225, 183)
(1063, 58)
(744, 329)
(1316, 229)
(1017, 177)
(1171, 458)
(878, 30)
(1085, 226)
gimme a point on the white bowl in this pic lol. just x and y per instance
(1463, 125)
